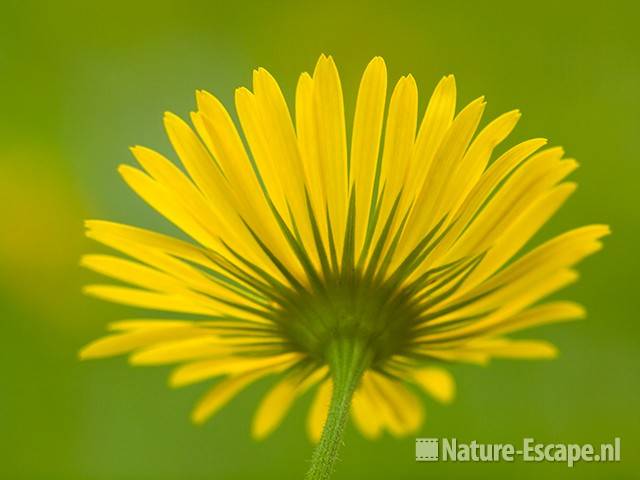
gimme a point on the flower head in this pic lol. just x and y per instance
(362, 262)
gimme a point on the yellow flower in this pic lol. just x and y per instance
(365, 263)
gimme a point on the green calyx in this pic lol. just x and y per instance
(377, 317)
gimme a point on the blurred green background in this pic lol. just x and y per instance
(82, 81)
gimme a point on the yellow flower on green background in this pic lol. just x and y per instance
(355, 265)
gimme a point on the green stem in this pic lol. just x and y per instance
(347, 360)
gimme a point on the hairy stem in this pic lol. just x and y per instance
(347, 360)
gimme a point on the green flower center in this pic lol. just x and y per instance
(377, 315)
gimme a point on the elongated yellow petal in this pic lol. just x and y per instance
(445, 161)
(150, 324)
(200, 209)
(181, 350)
(308, 144)
(198, 371)
(521, 230)
(173, 277)
(541, 315)
(184, 301)
(456, 355)
(331, 142)
(540, 173)
(523, 349)
(475, 160)
(481, 350)
(251, 121)
(437, 382)
(436, 122)
(132, 272)
(173, 179)
(166, 254)
(563, 250)
(202, 168)
(222, 393)
(221, 137)
(207, 175)
(283, 152)
(159, 301)
(399, 139)
(488, 182)
(267, 124)
(319, 410)
(365, 141)
(278, 401)
(401, 409)
(553, 256)
(274, 406)
(99, 229)
(164, 291)
(511, 302)
(219, 134)
(364, 411)
(169, 205)
(126, 342)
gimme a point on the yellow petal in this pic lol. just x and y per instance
(536, 176)
(209, 179)
(521, 230)
(99, 229)
(284, 155)
(198, 371)
(511, 301)
(482, 190)
(221, 137)
(252, 125)
(201, 167)
(542, 315)
(222, 393)
(173, 179)
(267, 125)
(399, 138)
(522, 349)
(331, 142)
(169, 206)
(365, 140)
(156, 301)
(534, 268)
(505, 323)
(179, 351)
(160, 252)
(480, 350)
(431, 193)
(437, 382)
(126, 342)
(319, 410)
(400, 409)
(132, 272)
(475, 161)
(308, 144)
(434, 126)
(151, 324)
(176, 277)
(278, 401)
(219, 134)
(457, 355)
(365, 412)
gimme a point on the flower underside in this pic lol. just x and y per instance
(361, 273)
